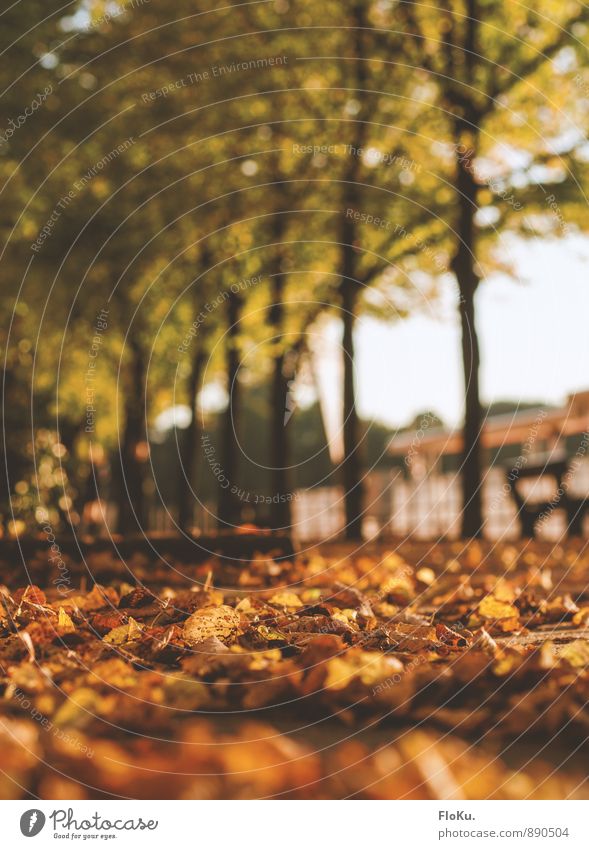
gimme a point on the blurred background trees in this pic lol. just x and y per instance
(224, 185)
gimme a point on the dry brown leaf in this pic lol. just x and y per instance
(221, 622)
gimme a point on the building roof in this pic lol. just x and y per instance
(518, 427)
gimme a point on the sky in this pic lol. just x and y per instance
(534, 334)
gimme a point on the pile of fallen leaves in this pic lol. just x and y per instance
(101, 688)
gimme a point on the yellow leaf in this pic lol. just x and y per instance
(386, 610)
(312, 595)
(492, 608)
(78, 709)
(64, 622)
(394, 561)
(400, 586)
(185, 694)
(368, 667)
(576, 653)
(426, 575)
(270, 634)
(263, 659)
(123, 633)
(502, 591)
(348, 616)
(286, 599)
(582, 617)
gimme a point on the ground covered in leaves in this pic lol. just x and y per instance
(417, 671)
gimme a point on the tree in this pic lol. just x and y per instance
(477, 54)
(28, 94)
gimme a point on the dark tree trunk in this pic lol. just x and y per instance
(188, 444)
(280, 402)
(472, 517)
(465, 269)
(281, 415)
(130, 497)
(351, 464)
(229, 506)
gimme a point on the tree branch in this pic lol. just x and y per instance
(530, 67)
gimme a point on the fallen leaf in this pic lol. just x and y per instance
(493, 608)
(286, 599)
(370, 668)
(124, 633)
(65, 623)
(221, 622)
(576, 653)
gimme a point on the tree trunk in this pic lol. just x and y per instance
(464, 267)
(229, 506)
(352, 467)
(281, 402)
(129, 483)
(188, 449)
(189, 442)
(351, 464)
(472, 517)
(281, 415)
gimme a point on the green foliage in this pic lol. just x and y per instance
(182, 150)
